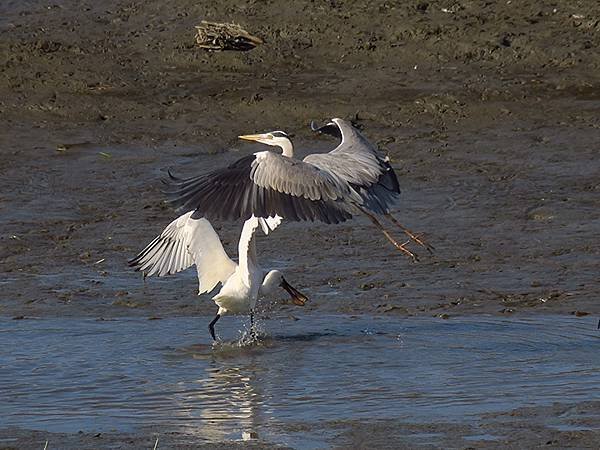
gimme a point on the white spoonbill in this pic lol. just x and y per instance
(187, 241)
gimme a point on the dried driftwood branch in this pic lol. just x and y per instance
(225, 36)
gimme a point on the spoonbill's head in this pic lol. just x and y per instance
(274, 280)
(275, 138)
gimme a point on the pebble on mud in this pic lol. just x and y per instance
(127, 303)
(541, 213)
(385, 307)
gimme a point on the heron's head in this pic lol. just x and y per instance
(276, 138)
(274, 280)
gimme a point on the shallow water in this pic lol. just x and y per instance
(67, 375)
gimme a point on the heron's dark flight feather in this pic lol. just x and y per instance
(330, 129)
(231, 194)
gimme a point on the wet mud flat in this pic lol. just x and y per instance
(512, 212)
(430, 383)
(489, 113)
(493, 132)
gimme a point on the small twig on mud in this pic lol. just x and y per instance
(46, 445)
(156, 443)
(225, 36)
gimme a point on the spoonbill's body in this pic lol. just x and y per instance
(187, 241)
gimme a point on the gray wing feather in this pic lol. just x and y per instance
(355, 159)
(290, 176)
(231, 194)
(359, 163)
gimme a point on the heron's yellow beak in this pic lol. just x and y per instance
(256, 137)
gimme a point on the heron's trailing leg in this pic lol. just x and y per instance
(211, 326)
(410, 234)
(378, 224)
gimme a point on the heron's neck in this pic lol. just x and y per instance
(288, 148)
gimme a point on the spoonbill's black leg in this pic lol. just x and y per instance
(252, 328)
(211, 326)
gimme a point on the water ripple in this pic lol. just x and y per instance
(74, 374)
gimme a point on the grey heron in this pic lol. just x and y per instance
(354, 178)
(189, 241)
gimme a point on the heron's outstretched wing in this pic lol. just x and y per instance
(358, 162)
(183, 243)
(354, 160)
(265, 184)
(297, 178)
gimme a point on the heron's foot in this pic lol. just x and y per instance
(417, 238)
(387, 234)
(407, 252)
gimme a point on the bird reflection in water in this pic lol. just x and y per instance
(226, 403)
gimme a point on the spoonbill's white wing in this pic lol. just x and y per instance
(183, 243)
(264, 185)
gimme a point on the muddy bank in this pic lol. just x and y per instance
(131, 71)
(521, 428)
(512, 211)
